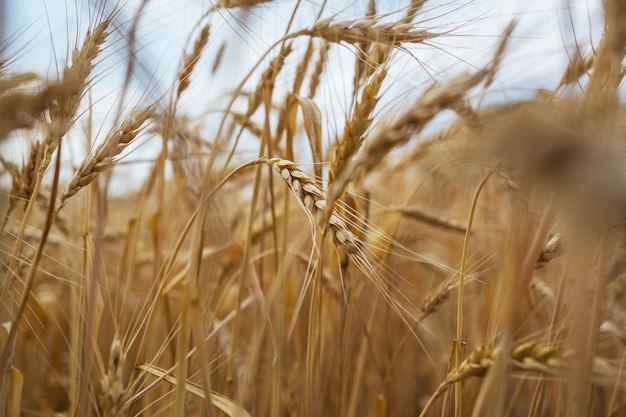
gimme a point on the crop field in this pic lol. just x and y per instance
(311, 214)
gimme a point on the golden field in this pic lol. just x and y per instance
(311, 247)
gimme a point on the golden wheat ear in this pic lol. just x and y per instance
(106, 155)
(311, 198)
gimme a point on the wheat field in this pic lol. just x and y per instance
(338, 234)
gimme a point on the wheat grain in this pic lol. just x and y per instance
(426, 216)
(311, 197)
(554, 247)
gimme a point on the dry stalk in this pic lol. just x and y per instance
(225, 404)
(14, 394)
(301, 68)
(8, 351)
(460, 297)
(285, 112)
(422, 215)
(263, 90)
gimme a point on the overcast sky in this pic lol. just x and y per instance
(43, 33)
(537, 52)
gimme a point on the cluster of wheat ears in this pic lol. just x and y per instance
(367, 267)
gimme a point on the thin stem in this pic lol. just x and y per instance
(459, 312)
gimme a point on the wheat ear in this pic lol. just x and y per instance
(311, 198)
(105, 156)
(383, 139)
(356, 31)
(190, 60)
(357, 125)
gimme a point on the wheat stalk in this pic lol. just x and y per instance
(428, 217)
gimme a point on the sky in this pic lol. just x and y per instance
(43, 33)
(43, 29)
